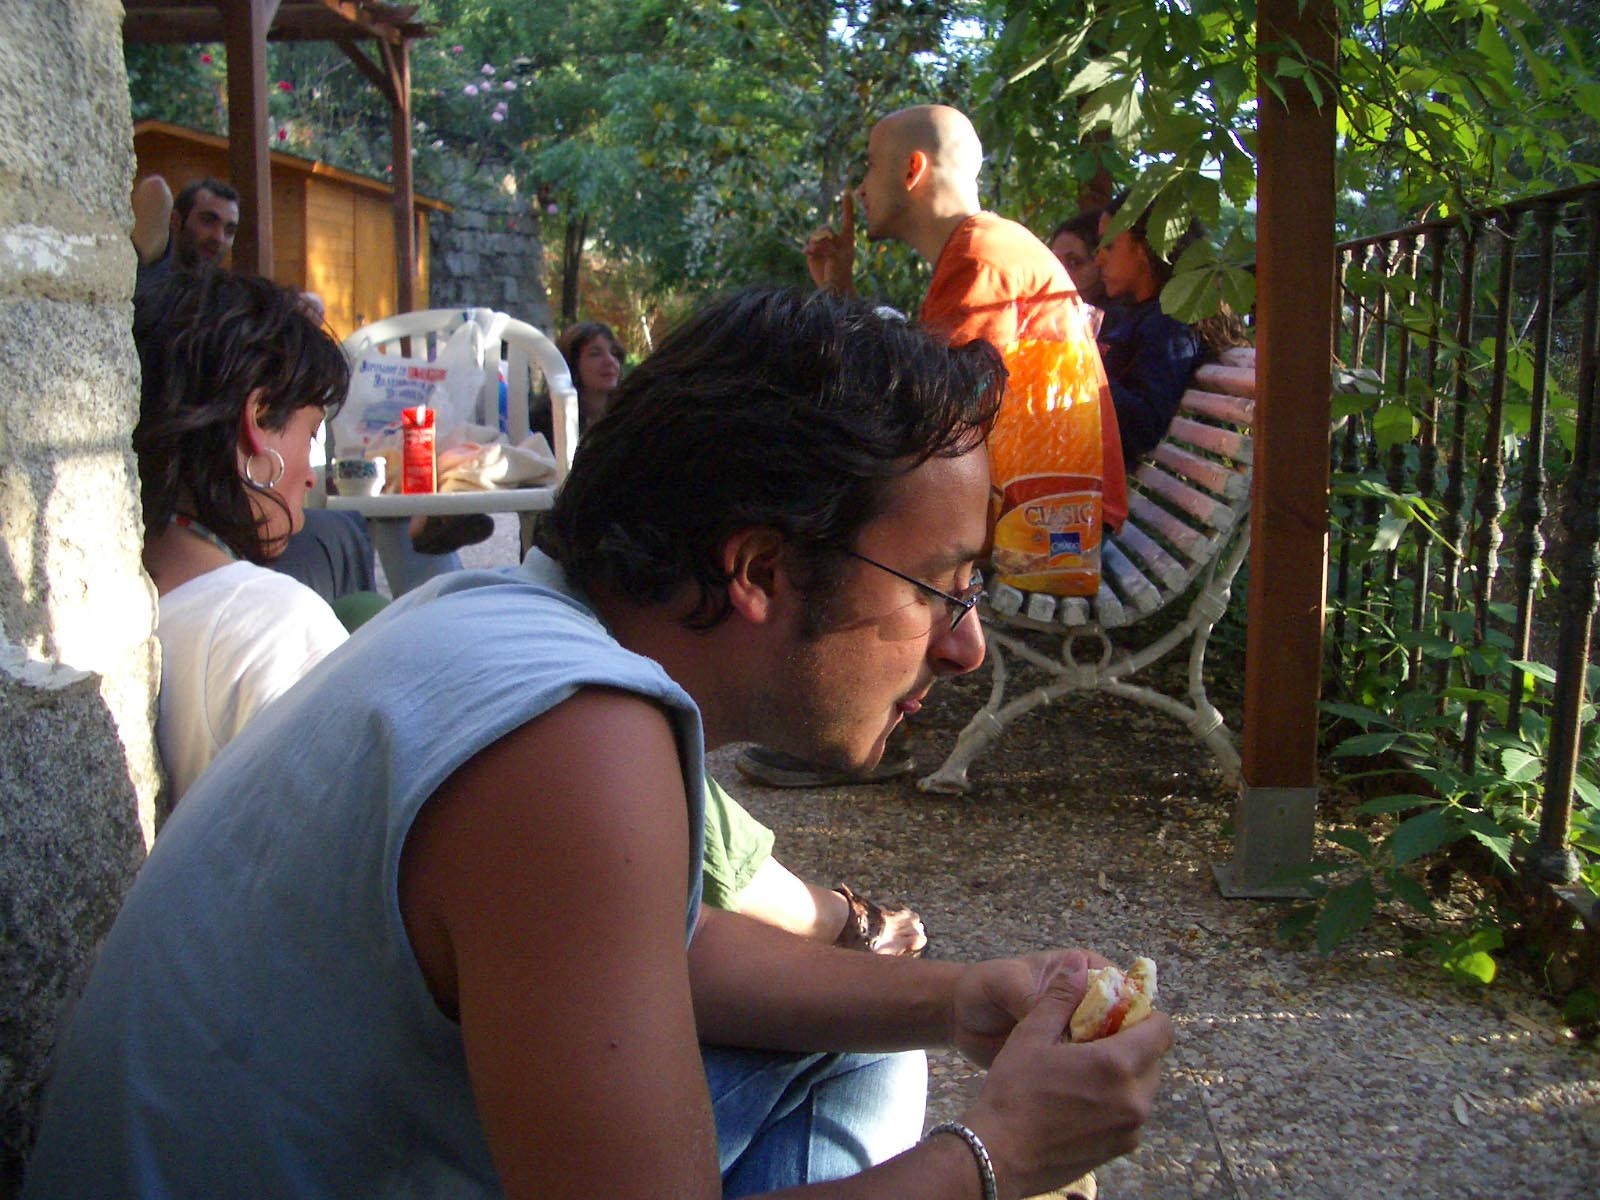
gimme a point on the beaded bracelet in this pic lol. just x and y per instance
(979, 1152)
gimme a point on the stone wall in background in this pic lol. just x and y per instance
(487, 255)
(78, 664)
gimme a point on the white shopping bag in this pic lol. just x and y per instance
(383, 384)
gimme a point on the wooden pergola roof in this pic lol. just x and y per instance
(189, 21)
(244, 27)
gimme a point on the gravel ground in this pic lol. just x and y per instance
(1294, 1076)
(1363, 1074)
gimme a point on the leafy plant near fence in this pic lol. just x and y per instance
(1438, 727)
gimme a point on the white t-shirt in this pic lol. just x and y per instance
(232, 640)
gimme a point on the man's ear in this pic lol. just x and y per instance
(757, 574)
(917, 167)
(252, 434)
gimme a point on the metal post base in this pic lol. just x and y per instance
(1273, 829)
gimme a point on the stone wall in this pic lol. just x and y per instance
(78, 666)
(487, 255)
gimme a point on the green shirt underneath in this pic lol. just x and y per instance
(736, 846)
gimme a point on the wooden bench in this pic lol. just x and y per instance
(1187, 534)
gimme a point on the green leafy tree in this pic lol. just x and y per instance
(1443, 105)
(699, 142)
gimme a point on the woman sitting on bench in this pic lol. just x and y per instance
(1148, 355)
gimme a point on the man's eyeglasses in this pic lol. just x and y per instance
(960, 605)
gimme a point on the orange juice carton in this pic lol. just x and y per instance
(1046, 469)
(417, 449)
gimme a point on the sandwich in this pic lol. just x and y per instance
(1115, 1000)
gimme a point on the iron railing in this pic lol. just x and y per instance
(1477, 439)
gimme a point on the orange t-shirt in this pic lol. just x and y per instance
(994, 280)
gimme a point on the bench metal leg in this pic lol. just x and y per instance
(983, 728)
(1197, 713)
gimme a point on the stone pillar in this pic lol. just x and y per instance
(78, 664)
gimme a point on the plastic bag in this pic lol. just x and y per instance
(382, 385)
(1047, 470)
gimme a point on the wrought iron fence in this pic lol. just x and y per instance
(1470, 436)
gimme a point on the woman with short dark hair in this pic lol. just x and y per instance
(236, 381)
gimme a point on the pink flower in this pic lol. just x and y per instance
(551, 208)
(457, 49)
(487, 69)
(509, 85)
(471, 89)
(206, 58)
(497, 116)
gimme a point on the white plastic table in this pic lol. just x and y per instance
(523, 501)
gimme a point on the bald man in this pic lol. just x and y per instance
(992, 279)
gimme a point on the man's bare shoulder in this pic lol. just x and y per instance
(588, 743)
(590, 791)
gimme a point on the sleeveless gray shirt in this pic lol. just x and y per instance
(257, 1024)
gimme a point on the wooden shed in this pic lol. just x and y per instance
(333, 230)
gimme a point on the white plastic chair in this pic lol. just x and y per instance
(523, 349)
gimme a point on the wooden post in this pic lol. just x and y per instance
(1295, 276)
(393, 79)
(245, 25)
(397, 65)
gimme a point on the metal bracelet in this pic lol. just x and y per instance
(979, 1152)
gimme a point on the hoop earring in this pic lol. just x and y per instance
(271, 483)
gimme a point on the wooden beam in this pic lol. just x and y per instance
(245, 24)
(397, 65)
(192, 21)
(376, 75)
(1275, 817)
(357, 15)
(1294, 327)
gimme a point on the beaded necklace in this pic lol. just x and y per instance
(200, 531)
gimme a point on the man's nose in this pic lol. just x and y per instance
(959, 650)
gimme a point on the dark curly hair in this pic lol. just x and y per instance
(208, 340)
(768, 408)
(1085, 227)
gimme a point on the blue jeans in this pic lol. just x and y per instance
(788, 1119)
